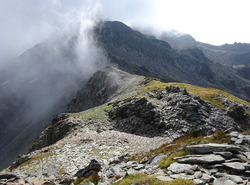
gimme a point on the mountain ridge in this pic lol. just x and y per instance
(139, 119)
(167, 63)
(55, 62)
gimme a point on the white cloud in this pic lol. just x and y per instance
(27, 22)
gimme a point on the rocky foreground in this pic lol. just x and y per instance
(131, 129)
(205, 164)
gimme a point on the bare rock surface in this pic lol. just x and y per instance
(212, 147)
(202, 159)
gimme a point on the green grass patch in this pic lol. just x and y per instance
(93, 178)
(61, 171)
(96, 114)
(181, 142)
(36, 159)
(167, 161)
(210, 95)
(151, 180)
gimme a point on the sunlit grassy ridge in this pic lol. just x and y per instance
(146, 179)
(181, 142)
(210, 95)
(96, 114)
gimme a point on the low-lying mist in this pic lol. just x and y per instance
(40, 83)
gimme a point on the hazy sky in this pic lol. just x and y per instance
(27, 22)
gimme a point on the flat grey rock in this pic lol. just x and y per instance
(156, 159)
(226, 155)
(198, 174)
(211, 147)
(202, 159)
(182, 176)
(206, 178)
(247, 154)
(179, 168)
(235, 178)
(198, 182)
(235, 166)
(223, 181)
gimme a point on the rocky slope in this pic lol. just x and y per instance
(137, 115)
(50, 73)
(189, 65)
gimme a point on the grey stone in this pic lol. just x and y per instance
(226, 155)
(239, 141)
(212, 147)
(131, 171)
(198, 182)
(202, 159)
(160, 173)
(131, 164)
(179, 168)
(198, 174)
(235, 166)
(233, 139)
(233, 160)
(110, 174)
(234, 134)
(189, 172)
(247, 154)
(223, 181)
(182, 176)
(139, 166)
(93, 166)
(235, 178)
(195, 167)
(156, 159)
(164, 178)
(219, 175)
(213, 171)
(207, 178)
(117, 171)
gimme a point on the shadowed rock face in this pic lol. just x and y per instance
(100, 88)
(171, 112)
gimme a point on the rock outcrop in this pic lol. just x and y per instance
(213, 165)
(138, 116)
(206, 164)
(172, 112)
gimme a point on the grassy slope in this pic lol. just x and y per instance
(180, 143)
(146, 179)
(210, 95)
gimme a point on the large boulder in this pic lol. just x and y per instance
(93, 168)
(212, 147)
(201, 159)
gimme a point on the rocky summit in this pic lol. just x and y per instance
(128, 129)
